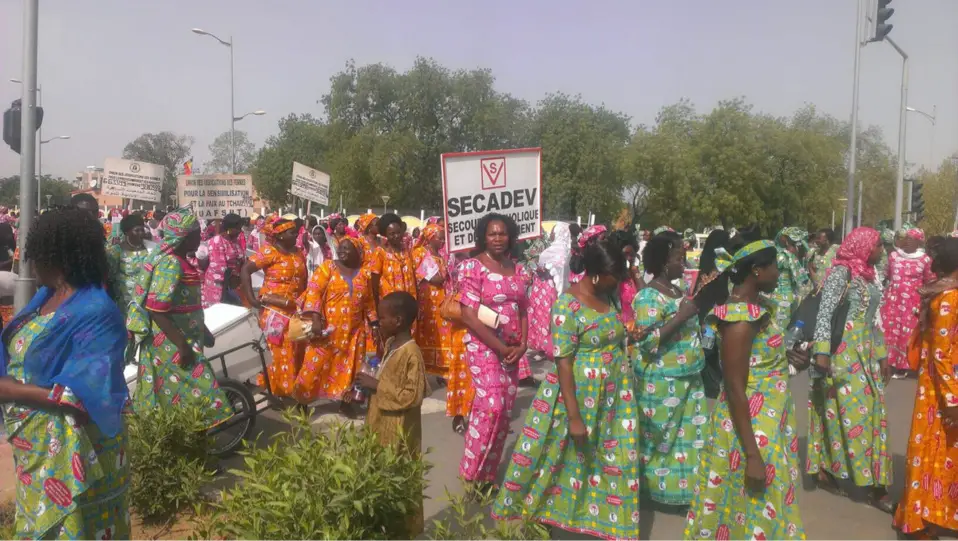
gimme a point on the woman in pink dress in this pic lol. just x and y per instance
(909, 268)
(494, 307)
(226, 258)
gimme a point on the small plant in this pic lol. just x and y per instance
(169, 453)
(468, 518)
(305, 484)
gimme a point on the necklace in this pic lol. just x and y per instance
(667, 285)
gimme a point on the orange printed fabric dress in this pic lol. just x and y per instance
(346, 304)
(931, 475)
(284, 275)
(433, 333)
(396, 272)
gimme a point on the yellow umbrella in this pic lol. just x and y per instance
(412, 222)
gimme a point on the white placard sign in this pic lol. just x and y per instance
(132, 179)
(478, 183)
(215, 196)
(310, 184)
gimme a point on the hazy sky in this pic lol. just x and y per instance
(113, 69)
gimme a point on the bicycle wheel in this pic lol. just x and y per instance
(228, 436)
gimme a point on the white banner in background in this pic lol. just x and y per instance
(215, 196)
(478, 183)
(132, 179)
(310, 184)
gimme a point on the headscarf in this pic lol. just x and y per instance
(317, 252)
(795, 234)
(363, 222)
(887, 237)
(590, 233)
(429, 233)
(909, 229)
(855, 250)
(662, 229)
(175, 227)
(432, 220)
(725, 261)
(555, 258)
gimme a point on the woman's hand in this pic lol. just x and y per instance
(885, 369)
(367, 382)
(823, 363)
(513, 354)
(799, 359)
(187, 356)
(578, 431)
(755, 473)
(319, 324)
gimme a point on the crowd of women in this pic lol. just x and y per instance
(635, 347)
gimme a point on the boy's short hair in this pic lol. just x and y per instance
(403, 304)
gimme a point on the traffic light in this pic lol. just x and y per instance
(917, 202)
(11, 125)
(878, 16)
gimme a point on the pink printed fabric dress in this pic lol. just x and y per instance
(495, 383)
(906, 273)
(224, 254)
(541, 298)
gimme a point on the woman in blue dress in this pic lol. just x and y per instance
(63, 392)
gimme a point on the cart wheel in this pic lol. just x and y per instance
(230, 434)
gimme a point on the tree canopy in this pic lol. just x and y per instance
(220, 160)
(383, 131)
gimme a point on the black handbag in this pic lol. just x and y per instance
(807, 313)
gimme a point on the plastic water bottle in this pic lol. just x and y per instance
(708, 337)
(794, 334)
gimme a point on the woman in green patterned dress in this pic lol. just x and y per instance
(847, 422)
(668, 383)
(574, 464)
(126, 259)
(749, 465)
(63, 391)
(166, 322)
(793, 280)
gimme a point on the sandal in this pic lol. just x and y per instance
(459, 425)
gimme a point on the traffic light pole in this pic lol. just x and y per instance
(853, 144)
(25, 287)
(902, 128)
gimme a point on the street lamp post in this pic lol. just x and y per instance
(229, 44)
(933, 118)
(40, 165)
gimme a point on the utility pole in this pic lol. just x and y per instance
(853, 144)
(25, 287)
(902, 128)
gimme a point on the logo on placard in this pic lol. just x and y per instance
(312, 174)
(134, 167)
(493, 173)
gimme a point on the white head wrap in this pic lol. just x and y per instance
(555, 258)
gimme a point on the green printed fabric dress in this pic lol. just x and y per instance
(592, 491)
(722, 508)
(174, 288)
(793, 285)
(124, 267)
(671, 396)
(847, 422)
(71, 480)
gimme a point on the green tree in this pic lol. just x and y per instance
(939, 190)
(58, 189)
(164, 148)
(300, 139)
(582, 156)
(220, 160)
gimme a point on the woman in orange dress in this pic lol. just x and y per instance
(433, 332)
(339, 301)
(396, 269)
(459, 389)
(367, 226)
(285, 280)
(928, 506)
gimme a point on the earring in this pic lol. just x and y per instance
(595, 280)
